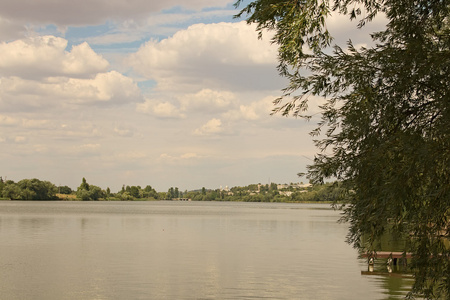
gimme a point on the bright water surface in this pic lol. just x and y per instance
(181, 250)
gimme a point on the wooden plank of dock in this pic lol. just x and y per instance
(387, 254)
(398, 275)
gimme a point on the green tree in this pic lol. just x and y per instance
(125, 196)
(84, 185)
(95, 193)
(2, 185)
(150, 192)
(35, 189)
(171, 193)
(65, 190)
(87, 192)
(30, 189)
(11, 190)
(83, 195)
(134, 191)
(385, 122)
(148, 189)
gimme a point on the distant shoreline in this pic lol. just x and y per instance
(64, 198)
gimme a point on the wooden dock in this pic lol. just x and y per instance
(393, 257)
(389, 274)
(387, 254)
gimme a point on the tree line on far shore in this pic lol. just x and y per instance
(35, 189)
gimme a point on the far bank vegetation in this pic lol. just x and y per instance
(35, 189)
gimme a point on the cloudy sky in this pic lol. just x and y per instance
(143, 92)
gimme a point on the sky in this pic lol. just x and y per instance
(143, 92)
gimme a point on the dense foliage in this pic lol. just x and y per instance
(271, 193)
(136, 192)
(28, 189)
(386, 118)
(89, 192)
(35, 189)
(66, 190)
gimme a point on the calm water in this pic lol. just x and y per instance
(181, 250)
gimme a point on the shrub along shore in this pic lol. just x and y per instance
(35, 189)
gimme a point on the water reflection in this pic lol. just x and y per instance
(392, 278)
(166, 250)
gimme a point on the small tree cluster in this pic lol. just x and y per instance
(87, 192)
(64, 190)
(136, 192)
(173, 193)
(28, 189)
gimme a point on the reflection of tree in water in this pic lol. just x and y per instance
(395, 279)
(390, 278)
(394, 276)
(35, 226)
(396, 287)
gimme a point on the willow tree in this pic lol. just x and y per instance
(385, 121)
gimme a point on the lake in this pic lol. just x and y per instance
(181, 250)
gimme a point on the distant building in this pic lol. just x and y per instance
(226, 189)
(300, 185)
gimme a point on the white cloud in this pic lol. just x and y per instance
(8, 121)
(83, 60)
(208, 100)
(40, 148)
(340, 26)
(166, 24)
(20, 139)
(124, 132)
(38, 72)
(116, 38)
(256, 110)
(87, 149)
(212, 127)
(89, 146)
(189, 155)
(134, 155)
(205, 102)
(81, 132)
(46, 56)
(38, 124)
(182, 159)
(25, 123)
(160, 109)
(223, 56)
(111, 87)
